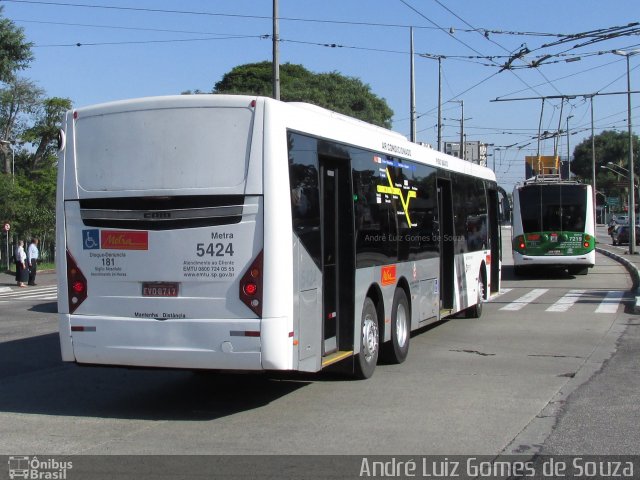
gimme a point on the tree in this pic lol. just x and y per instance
(44, 132)
(611, 147)
(27, 199)
(17, 102)
(347, 95)
(15, 51)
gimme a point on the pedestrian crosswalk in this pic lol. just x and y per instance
(598, 301)
(44, 293)
(512, 300)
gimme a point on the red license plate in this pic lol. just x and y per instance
(159, 289)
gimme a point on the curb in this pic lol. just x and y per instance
(633, 271)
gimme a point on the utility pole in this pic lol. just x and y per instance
(568, 147)
(632, 209)
(276, 52)
(462, 152)
(439, 103)
(412, 88)
(593, 160)
(439, 58)
(540, 128)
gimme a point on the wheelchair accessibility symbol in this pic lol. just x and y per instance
(91, 239)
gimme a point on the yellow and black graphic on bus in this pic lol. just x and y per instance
(400, 192)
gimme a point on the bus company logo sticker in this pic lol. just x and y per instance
(28, 467)
(124, 240)
(91, 239)
(388, 275)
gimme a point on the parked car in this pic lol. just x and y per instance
(620, 235)
(617, 220)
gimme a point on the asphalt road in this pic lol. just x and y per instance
(492, 386)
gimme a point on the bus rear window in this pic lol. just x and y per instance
(163, 149)
(553, 208)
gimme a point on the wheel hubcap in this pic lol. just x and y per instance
(369, 338)
(401, 325)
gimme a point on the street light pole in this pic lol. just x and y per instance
(632, 209)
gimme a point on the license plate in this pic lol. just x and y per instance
(159, 289)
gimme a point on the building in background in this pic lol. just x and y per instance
(475, 152)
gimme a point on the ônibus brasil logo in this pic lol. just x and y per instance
(35, 468)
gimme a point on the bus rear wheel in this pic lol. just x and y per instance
(396, 351)
(475, 311)
(578, 270)
(367, 358)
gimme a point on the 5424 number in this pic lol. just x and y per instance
(214, 249)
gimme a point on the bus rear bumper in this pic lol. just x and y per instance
(588, 259)
(171, 343)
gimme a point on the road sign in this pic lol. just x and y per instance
(7, 227)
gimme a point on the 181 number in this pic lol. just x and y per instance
(214, 250)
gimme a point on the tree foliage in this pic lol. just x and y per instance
(15, 51)
(29, 125)
(44, 132)
(610, 147)
(347, 95)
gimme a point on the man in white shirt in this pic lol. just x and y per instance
(32, 260)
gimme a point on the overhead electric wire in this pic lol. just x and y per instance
(486, 37)
(143, 42)
(290, 19)
(458, 40)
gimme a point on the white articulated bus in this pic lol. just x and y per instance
(243, 233)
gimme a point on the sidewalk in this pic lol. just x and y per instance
(43, 277)
(630, 262)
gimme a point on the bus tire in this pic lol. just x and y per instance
(476, 310)
(397, 349)
(367, 358)
(578, 270)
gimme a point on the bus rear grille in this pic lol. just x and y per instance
(166, 213)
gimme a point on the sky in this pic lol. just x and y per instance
(138, 48)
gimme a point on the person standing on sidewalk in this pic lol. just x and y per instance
(32, 260)
(21, 265)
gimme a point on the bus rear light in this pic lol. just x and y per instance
(251, 286)
(76, 284)
(586, 244)
(250, 289)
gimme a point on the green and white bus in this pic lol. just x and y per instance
(553, 225)
(244, 233)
